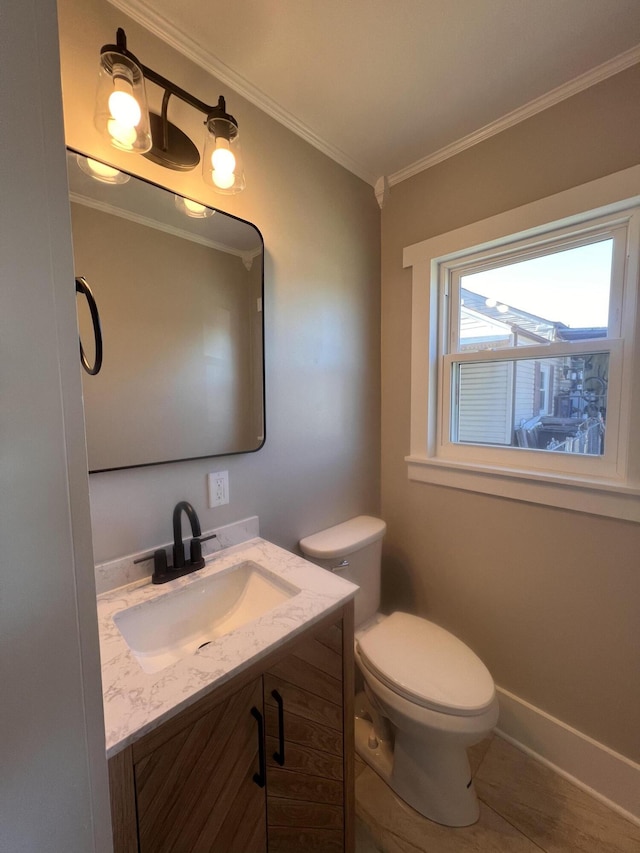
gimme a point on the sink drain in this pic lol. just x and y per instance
(202, 645)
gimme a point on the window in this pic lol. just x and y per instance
(511, 319)
(523, 332)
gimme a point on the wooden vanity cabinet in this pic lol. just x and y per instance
(197, 783)
(194, 784)
(304, 711)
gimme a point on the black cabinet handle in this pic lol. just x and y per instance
(82, 286)
(260, 777)
(279, 755)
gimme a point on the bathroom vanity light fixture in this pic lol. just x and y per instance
(122, 116)
(193, 208)
(100, 171)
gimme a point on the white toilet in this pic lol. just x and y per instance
(427, 695)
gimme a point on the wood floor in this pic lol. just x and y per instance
(524, 808)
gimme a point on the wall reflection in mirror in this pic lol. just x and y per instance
(179, 288)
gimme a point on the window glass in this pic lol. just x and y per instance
(556, 404)
(554, 297)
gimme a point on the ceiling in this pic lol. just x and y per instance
(389, 88)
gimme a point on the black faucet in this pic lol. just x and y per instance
(163, 573)
(196, 561)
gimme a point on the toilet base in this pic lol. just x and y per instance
(377, 753)
(434, 779)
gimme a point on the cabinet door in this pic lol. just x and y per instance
(303, 696)
(197, 790)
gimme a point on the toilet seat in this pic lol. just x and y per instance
(427, 665)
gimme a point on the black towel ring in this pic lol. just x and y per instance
(83, 287)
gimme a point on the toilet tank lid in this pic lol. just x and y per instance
(343, 538)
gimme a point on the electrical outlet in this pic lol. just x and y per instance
(218, 485)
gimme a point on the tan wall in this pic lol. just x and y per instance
(548, 598)
(321, 227)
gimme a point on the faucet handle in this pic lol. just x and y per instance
(159, 558)
(195, 554)
(144, 559)
(206, 538)
(196, 558)
(159, 566)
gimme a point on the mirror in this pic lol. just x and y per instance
(180, 302)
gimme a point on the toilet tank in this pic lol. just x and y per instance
(353, 549)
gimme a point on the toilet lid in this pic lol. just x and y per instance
(427, 665)
(344, 538)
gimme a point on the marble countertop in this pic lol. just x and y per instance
(135, 702)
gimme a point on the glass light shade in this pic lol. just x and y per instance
(100, 171)
(121, 115)
(222, 166)
(192, 208)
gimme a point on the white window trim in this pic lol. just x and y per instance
(614, 493)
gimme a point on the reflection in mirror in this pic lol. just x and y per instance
(179, 288)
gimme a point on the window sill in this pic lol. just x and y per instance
(602, 497)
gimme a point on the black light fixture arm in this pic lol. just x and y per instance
(170, 88)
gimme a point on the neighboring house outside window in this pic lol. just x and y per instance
(524, 326)
(544, 388)
(527, 403)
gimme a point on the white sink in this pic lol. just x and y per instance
(176, 624)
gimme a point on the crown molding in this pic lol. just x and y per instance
(139, 219)
(141, 12)
(381, 190)
(555, 96)
(249, 257)
(169, 33)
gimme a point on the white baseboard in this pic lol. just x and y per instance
(603, 773)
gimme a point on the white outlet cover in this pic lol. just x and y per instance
(218, 488)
